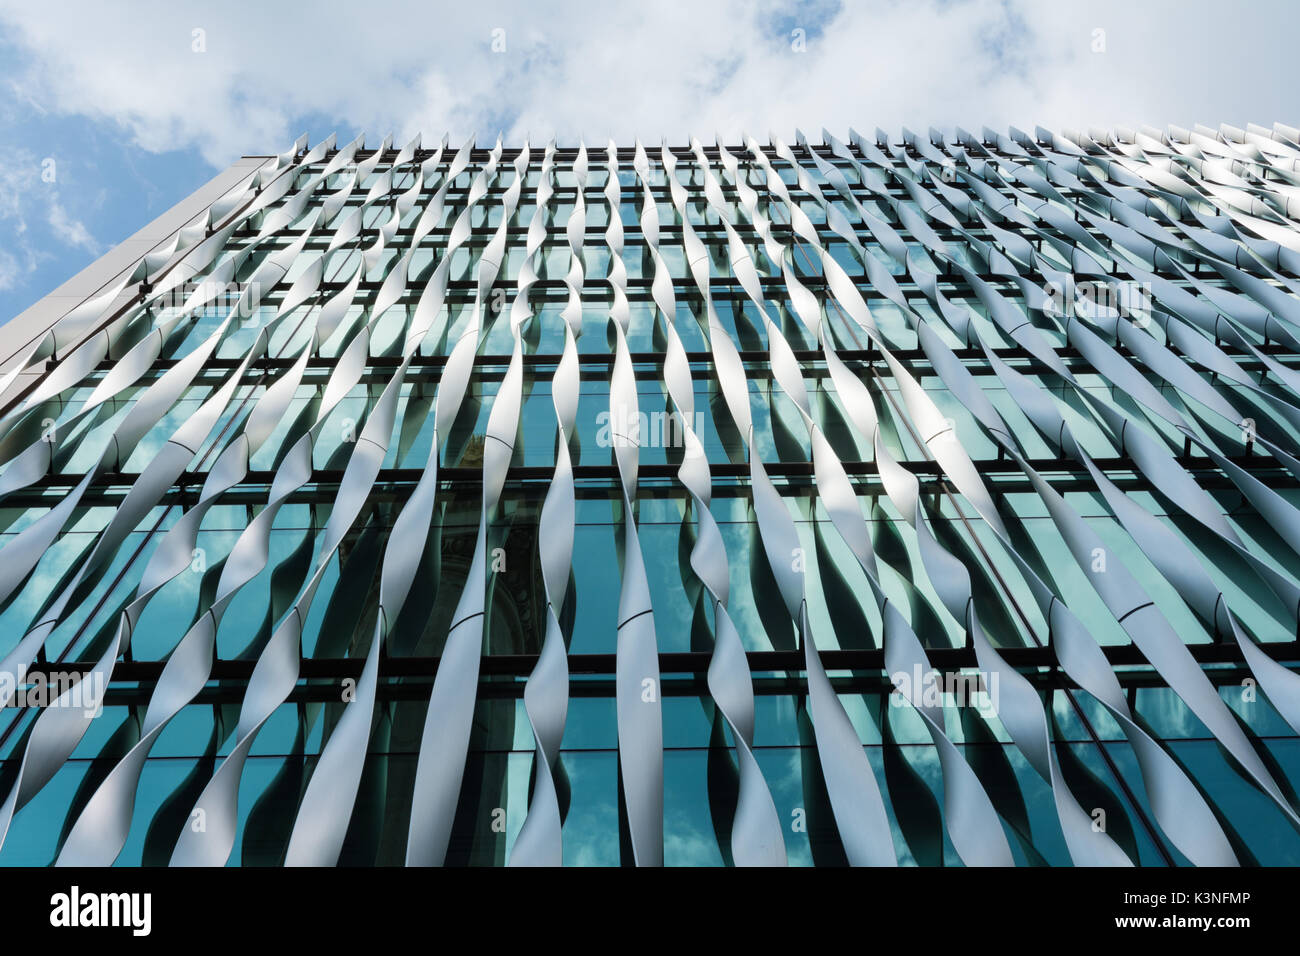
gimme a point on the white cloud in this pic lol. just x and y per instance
(70, 231)
(19, 177)
(28, 206)
(689, 66)
(10, 270)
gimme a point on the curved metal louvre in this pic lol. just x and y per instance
(863, 343)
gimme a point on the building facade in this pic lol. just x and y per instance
(891, 500)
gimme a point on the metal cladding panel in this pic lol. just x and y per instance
(301, 483)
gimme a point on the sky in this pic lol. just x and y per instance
(112, 113)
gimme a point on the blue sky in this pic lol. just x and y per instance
(110, 114)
